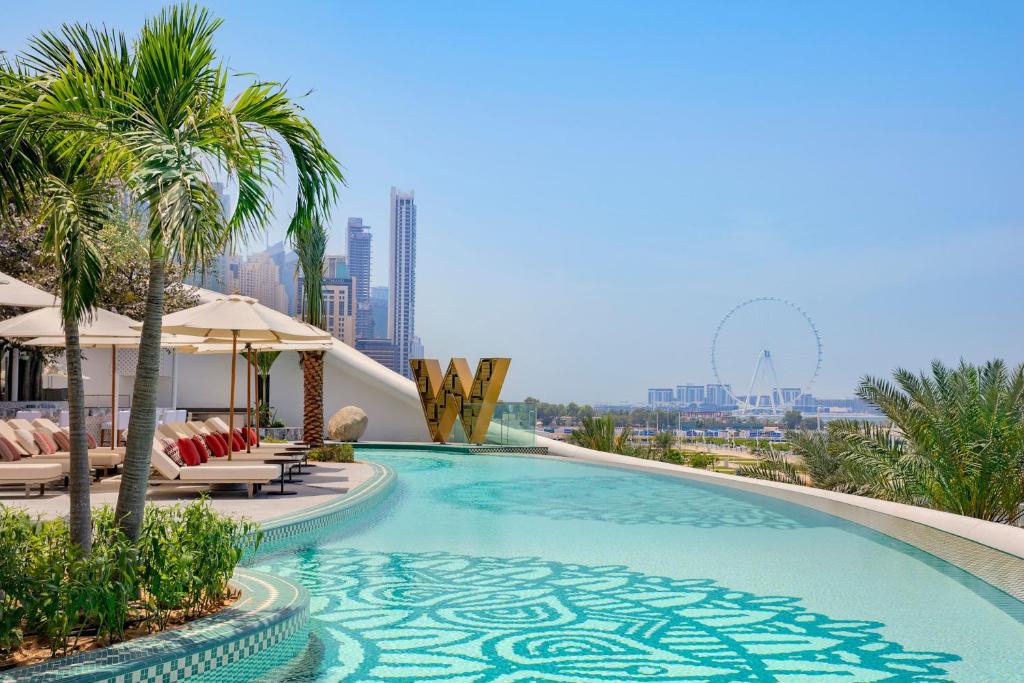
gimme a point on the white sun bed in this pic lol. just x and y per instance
(169, 473)
(31, 474)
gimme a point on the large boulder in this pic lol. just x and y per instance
(348, 424)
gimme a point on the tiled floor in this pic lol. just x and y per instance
(320, 485)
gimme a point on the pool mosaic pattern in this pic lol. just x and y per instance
(443, 617)
(512, 568)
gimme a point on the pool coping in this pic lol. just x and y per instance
(270, 619)
(990, 551)
(270, 612)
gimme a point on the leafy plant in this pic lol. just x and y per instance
(701, 460)
(335, 452)
(51, 588)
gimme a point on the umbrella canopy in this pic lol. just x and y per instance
(47, 322)
(241, 318)
(107, 330)
(14, 292)
(237, 318)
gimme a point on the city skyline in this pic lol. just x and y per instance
(858, 159)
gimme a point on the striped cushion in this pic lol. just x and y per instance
(8, 451)
(202, 448)
(170, 447)
(61, 439)
(91, 440)
(45, 443)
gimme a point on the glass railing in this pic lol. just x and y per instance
(513, 424)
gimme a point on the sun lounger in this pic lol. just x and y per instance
(167, 472)
(31, 474)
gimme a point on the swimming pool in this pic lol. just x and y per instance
(516, 568)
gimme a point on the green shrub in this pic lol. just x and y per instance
(673, 456)
(701, 460)
(179, 568)
(335, 452)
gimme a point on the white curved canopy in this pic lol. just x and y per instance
(47, 322)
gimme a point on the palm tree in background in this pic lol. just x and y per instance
(598, 434)
(310, 244)
(156, 114)
(963, 430)
(956, 443)
(73, 202)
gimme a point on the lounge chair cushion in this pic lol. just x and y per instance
(162, 463)
(25, 440)
(188, 452)
(10, 432)
(8, 451)
(62, 440)
(217, 425)
(19, 423)
(229, 473)
(170, 449)
(199, 428)
(45, 443)
(216, 445)
(29, 472)
(201, 448)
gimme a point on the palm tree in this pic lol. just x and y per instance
(963, 435)
(156, 113)
(73, 202)
(595, 433)
(264, 360)
(310, 243)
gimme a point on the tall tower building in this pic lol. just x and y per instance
(402, 290)
(359, 239)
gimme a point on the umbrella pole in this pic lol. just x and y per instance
(113, 397)
(248, 397)
(231, 404)
(256, 404)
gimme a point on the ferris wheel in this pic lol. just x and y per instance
(766, 352)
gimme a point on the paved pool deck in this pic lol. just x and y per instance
(321, 485)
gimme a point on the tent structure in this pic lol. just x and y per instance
(235, 319)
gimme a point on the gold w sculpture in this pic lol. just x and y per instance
(457, 394)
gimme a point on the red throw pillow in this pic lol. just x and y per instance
(91, 440)
(216, 445)
(62, 440)
(45, 443)
(201, 449)
(171, 451)
(253, 438)
(188, 452)
(236, 441)
(8, 451)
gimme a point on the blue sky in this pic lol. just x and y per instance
(599, 183)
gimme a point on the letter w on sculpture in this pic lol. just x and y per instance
(456, 395)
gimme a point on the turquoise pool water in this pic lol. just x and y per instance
(509, 568)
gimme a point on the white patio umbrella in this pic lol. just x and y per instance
(106, 329)
(238, 318)
(14, 292)
(250, 375)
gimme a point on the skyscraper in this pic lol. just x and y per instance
(402, 289)
(379, 312)
(359, 239)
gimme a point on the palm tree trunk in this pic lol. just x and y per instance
(313, 397)
(80, 513)
(131, 497)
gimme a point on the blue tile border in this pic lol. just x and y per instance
(266, 627)
(269, 620)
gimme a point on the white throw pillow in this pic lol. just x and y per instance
(26, 441)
